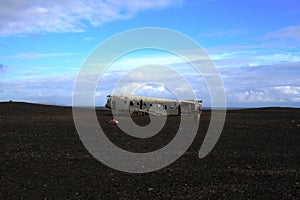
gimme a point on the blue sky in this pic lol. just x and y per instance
(254, 44)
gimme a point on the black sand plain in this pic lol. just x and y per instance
(256, 157)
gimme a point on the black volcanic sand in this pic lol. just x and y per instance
(42, 157)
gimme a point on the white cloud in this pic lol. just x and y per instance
(276, 47)
(128, 88)
(35, 16)
(263, 85)
(292, 32)
(296, 99)
(35, 55)
(277, 95)
(253, 58)
(51, 89)
(153, 88)
(294, 90)
(253, 96)
(150, 90)
(155, 60)
(88, 38)
(224, 33)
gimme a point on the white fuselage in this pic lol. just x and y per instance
(158, 106)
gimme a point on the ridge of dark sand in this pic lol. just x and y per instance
(257, 156)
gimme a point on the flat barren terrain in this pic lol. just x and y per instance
(42, 157)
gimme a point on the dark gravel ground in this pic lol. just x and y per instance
(42, 157)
